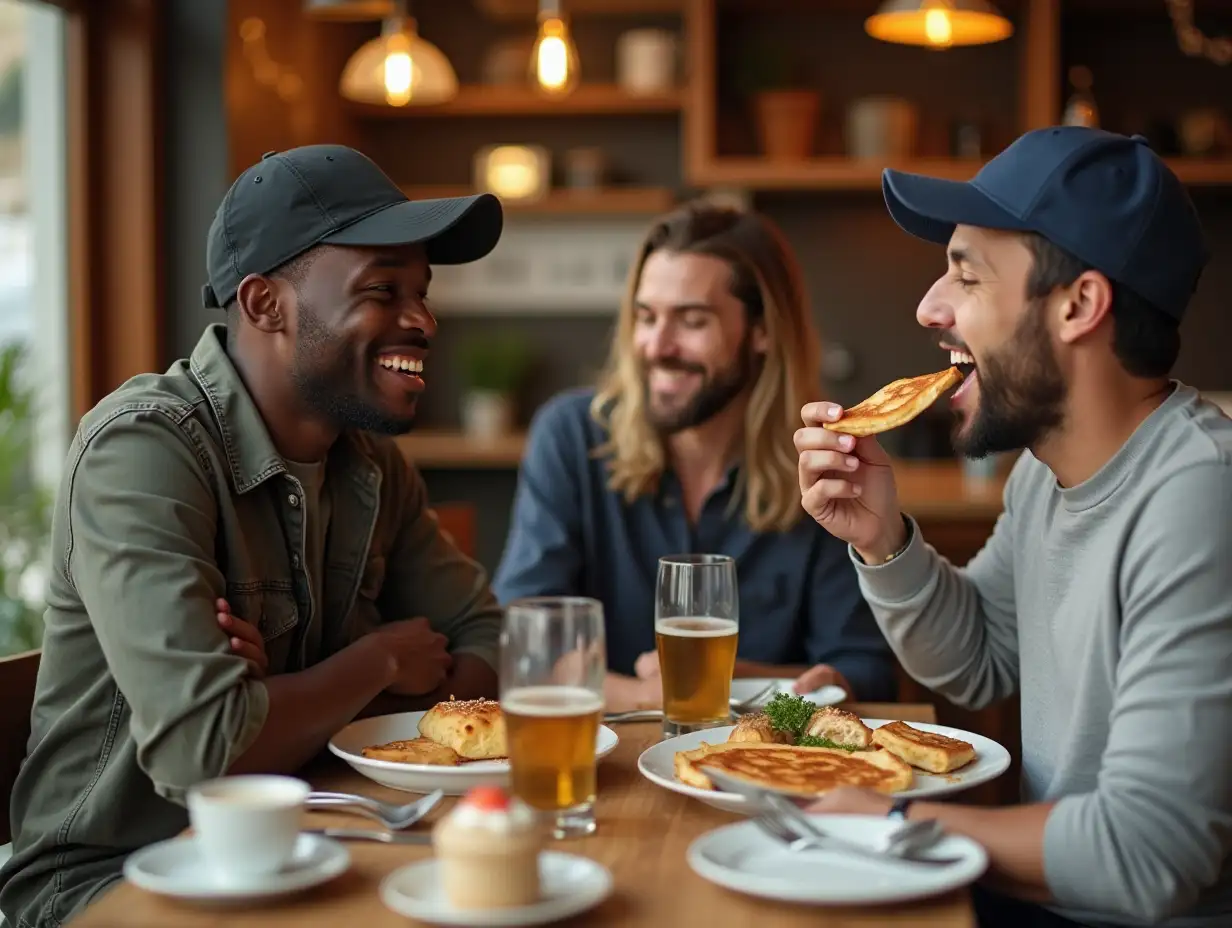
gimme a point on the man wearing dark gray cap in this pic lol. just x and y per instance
(242, 561)
(1103, 597)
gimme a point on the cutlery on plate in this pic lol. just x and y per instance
(754, 702)
(634, 715)
(387, 813)
(783, 819)
(384, 837)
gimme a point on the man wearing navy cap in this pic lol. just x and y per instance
(1104, 595)
(242, 562)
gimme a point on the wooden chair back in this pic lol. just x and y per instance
(18, 674)
(458, 520)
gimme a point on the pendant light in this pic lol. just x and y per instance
(399, 68)
(938, 24)
(554, 68)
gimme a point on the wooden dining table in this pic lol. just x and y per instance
(643, 834)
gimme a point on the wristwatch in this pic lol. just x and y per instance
(898, 811)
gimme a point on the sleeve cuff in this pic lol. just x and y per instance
(902, 578)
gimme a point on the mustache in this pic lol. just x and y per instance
(670, 364)
(413, 339)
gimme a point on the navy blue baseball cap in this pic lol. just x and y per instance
(1107, 199)
(291, 201)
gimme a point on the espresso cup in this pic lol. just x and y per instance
(246, 826)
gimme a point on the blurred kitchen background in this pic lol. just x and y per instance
(589, 117)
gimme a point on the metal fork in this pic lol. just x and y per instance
(387, 813)
(738, 707)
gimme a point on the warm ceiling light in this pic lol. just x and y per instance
(938, 23)
(399, 69)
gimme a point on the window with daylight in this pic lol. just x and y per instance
(34, 347)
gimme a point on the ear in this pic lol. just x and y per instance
(1087, 303)
(257, 298)
(760, 340)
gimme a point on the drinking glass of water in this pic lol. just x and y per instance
(553, 662)
(697, 618)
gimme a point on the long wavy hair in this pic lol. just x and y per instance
(767, 279)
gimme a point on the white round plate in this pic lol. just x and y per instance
(424, 778)
(176, 868)
(657, 764)
(747, 687)
(570, 884)
(743, 858)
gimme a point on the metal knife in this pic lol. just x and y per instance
(384, 837)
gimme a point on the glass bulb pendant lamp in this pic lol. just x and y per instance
(938, 24)
(399, 68)
(554, 68)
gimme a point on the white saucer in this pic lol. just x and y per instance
(176, 868)
(571, 884)
(743, 858)
(349, 744)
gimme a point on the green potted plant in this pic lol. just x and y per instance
(25, 510)
(786, 111)
(494, 368)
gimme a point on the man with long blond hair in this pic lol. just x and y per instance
(686, 445)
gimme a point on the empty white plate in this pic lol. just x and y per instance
(424, 778)
(570, 884)
(743, 858)
(176, 868)
(747, 687)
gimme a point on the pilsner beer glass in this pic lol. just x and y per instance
(697, 617)
(553, 661)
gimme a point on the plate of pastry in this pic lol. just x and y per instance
(797, 748)
(455, 745)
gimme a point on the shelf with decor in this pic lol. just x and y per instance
(861, 100)
(1161, 70)
(484, 100)
(566, 201)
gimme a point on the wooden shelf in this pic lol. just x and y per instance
(933, 489)
(1202, 172)
(823, 173)
(448, 450)
(526, 9)
(480, 100)
(609, 201)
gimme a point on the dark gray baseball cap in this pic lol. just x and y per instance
(291, 201)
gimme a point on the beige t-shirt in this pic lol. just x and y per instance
(316, 508)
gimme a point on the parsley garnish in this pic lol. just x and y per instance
(789, 713)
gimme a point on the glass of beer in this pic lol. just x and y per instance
(697, 617)
(553, 662)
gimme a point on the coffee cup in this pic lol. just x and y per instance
(246, 826)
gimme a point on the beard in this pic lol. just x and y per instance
(712, 397)
(331, 383)
(1021, 393)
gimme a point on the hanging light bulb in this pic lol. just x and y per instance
(399, 68)
(938, 24)
(554, 61)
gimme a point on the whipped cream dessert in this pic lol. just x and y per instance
(488, 847)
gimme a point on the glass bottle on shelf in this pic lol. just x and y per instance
(1080, 109)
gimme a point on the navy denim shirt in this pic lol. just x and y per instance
(800, 601)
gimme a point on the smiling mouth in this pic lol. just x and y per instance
(399, 364)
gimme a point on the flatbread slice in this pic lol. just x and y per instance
(796, 770)
(895, 404)
(414, 751)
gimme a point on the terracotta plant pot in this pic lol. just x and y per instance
(787, 123)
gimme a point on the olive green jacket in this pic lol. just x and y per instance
(172, 496)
